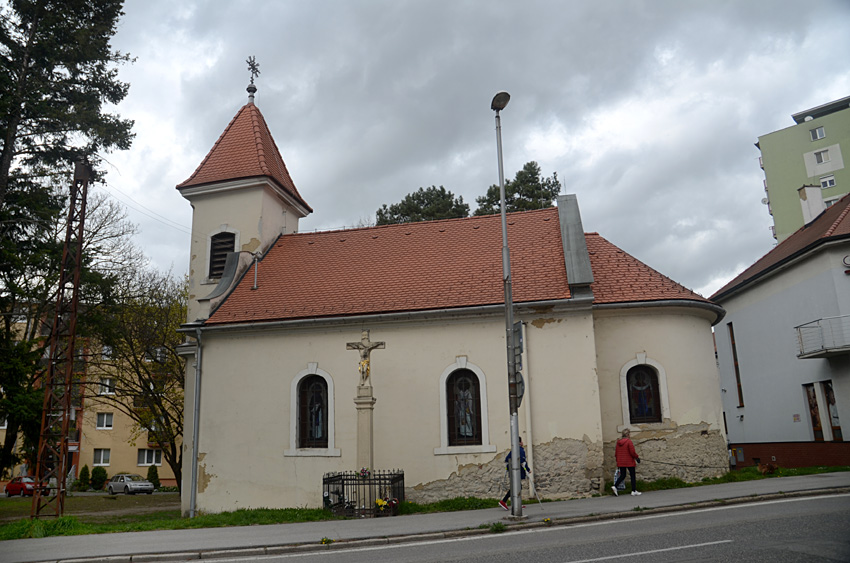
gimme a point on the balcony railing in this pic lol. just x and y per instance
(824, 338)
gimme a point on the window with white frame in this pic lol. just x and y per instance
(822, 156)
(817, 133)
(107, 386)
(149, 457)
(643, 391)
(106, 352)
(827, 181)
(104, 421)
(311, 414)
(101, 457)
(464, 424)
(463, 408)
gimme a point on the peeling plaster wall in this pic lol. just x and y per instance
(678, 340)
(563, 468)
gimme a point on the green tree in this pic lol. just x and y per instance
(528, 190)
(139, 328)
(423, 205)
(153, 476)
(57, 71)
(84, 480)
(98, 478)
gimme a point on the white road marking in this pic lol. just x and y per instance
(650, 552)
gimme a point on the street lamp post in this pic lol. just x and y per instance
(499, 102)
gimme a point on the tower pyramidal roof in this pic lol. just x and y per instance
(245, 149)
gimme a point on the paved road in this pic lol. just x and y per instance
(180, 545)
(772, 531)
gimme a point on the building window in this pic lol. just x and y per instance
(822, 156)
(107, 386)
(735, 363)
(644, 398)
(149, 457)
(829, 394)
(220, 245)
(101, 457)
(817, 133)
(827, 182)
(313, 413)
(814, 412)
(106, 352)
(463, 409)
(464, 424)
(104, 421)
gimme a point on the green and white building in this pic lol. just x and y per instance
(809, 153)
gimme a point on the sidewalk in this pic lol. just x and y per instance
(208, 543)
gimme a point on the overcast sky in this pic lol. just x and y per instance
(647, 110)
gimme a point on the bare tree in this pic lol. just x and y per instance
(140, 339)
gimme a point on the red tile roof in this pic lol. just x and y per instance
(431, 265)
(245, 149)
(834, 223)
(621, 278)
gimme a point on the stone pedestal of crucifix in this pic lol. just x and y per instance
(365, 401)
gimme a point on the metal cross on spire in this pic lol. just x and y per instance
(254, 68)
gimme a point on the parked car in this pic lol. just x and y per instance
(129, 483)
(23, 486)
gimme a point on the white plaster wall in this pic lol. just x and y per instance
(245, 423)
(253, 210)
(771, 374)
(677, 339)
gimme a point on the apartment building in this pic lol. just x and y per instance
(808, 153)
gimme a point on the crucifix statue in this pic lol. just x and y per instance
(365, 401)
(365, 346)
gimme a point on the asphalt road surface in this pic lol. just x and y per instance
(788, 530)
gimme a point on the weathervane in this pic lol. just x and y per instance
(254, 67)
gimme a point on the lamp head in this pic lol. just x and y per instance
(500, 100)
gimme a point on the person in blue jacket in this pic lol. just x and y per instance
(523, 469)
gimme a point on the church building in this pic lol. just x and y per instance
(304, 348)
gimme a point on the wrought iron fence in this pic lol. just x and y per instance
(364, 494)
(824, 335)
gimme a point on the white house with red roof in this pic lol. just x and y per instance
(784, 352)
(277, 397)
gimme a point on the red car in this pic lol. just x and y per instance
(23, 486)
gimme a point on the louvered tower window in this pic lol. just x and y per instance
(220, 245)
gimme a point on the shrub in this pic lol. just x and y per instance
(98, 478)
(153, 476)
(84, 480)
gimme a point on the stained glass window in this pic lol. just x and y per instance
(464, 408)
(644, 398)
(313, 413)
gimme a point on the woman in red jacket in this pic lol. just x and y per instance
(626, 457)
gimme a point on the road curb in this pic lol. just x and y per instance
(279, 549)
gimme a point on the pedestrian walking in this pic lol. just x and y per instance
(626, 457)
(523, 468)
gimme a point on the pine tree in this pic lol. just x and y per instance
(423, 205)
(57, 70)
(525, 192)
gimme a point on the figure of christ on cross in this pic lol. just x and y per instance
(365, 346)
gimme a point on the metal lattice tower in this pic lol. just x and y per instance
(57, 380)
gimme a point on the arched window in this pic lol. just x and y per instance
(463, 408)
(644, 395)
(313, 412)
